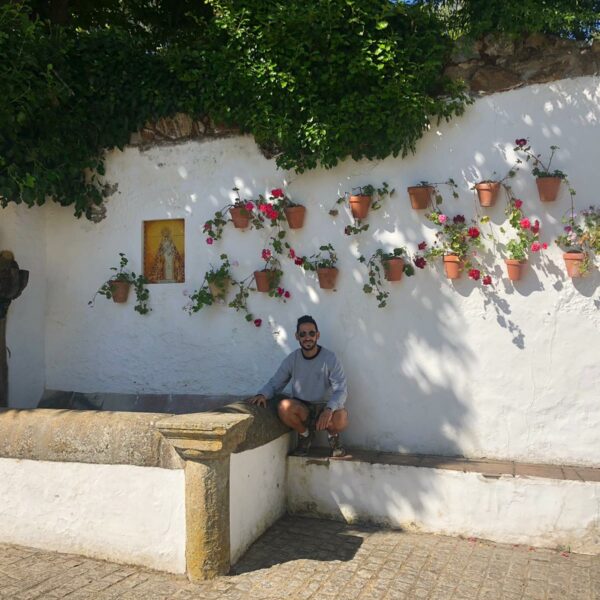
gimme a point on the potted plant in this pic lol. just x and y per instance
(242, 212)
(456, 241)
(392, 264)
(118, 286)
(294, 213)
(422, 195)
(488, 189)
(581, 237)
(526, 239)
(323, 263)
(214, 288)
(267, 279)
(360, 201)
(548, 180)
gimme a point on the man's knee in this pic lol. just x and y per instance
(339, 419)
(285, 407)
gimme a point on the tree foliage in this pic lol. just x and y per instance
(313, 82)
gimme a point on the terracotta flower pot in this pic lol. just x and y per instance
(574, 263)
(119, 290)
(265, 280)
(393, 268)
(548, 188)
(295, 216)
(487, 192)
(514, 268)
(327, 277)
(453, 265)
(219, 289)
(420, 196)
(240, 217)
(359, 205)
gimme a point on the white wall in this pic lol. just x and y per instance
(510, 371)
(22, 231)
(257, 492)
(121, 513)
(518, 510)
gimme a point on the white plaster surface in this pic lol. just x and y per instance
(23, 232)
(528, 510)
(257, 492)
(120, 513)
(509, 372)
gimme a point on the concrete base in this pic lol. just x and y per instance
(493, 503)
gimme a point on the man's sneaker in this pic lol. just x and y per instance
(304, 443)
(337, 450)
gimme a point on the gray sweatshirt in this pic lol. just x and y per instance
(317, 379)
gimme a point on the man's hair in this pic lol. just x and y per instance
(306, 319)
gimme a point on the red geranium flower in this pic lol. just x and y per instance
(458, 219)
(207, 226)
(521, 142)
(525, 223)
(473, 232)
(292, 253)
(266, 254)
(422, 246)
(277, 193)
(257, 322)
(299, 260)
(474, 274)
(286, 294)
(536, 247)
(487, 280)
(209, 241)
(249, 206)
(535, 227)
(280, 291)
(518, 203)
(544, 246)
(420, 262)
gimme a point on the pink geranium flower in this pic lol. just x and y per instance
(266, 254)
(442, 218)
(525, 223)
(209, 241)
(536, 247)
(249, 206)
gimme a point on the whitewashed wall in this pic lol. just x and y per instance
(446, 368)
(257, 492)
(122, 513)
(23, 231)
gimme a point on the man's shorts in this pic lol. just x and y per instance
(314, 408)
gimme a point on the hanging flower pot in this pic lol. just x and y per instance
(548, 188)
(453, 265)
(487, 192)
(240, 217)
(574, 261)
(119, 290)
(327, 277)
(393, 268)
(265, 280)
(514, 268)
(359, 205)
(420, 196)
(295, 216)
(219, 288)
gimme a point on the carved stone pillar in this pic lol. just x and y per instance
(205, 441)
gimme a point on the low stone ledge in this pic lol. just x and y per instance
(118, 438)
(485, 467)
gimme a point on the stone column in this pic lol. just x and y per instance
(205, 441)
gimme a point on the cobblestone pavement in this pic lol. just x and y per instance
(302, 558)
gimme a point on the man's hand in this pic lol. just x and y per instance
(259, 400)
(324, 420)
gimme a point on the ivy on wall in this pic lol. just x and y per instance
(313, 82)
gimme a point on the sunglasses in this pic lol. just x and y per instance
(303, 334)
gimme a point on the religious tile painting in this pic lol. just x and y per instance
(164, 251)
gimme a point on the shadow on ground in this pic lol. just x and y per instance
(292, 539)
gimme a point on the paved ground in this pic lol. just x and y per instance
(309, 558)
